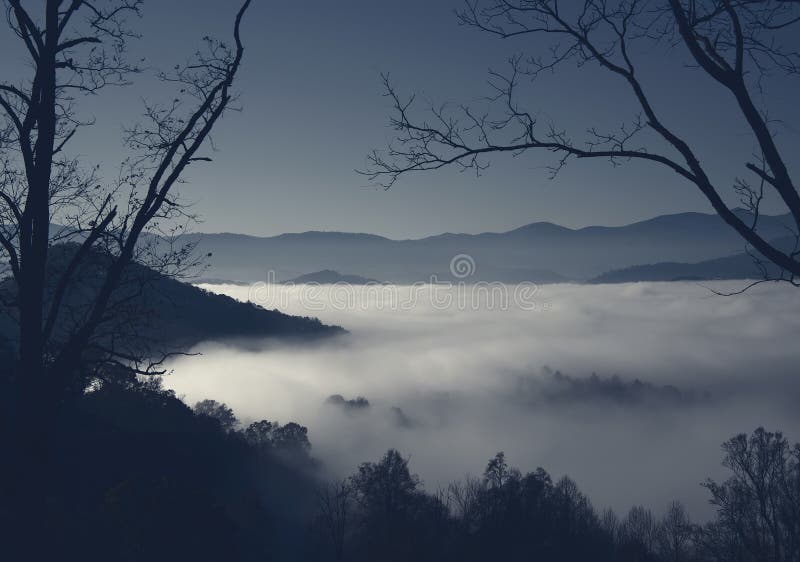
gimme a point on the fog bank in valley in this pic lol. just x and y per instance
(629, 389)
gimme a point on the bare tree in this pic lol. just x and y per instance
(335, 504)
(758, 507)
(639, 530)
(676, 534)
(737, 43)
(77, 48)
(466, 497)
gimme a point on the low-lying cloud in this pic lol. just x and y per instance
(645, 382)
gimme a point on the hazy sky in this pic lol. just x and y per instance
(313, 109)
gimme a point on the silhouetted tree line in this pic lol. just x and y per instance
(136, 474)
(382, 513)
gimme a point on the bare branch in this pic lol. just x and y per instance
(726, 38)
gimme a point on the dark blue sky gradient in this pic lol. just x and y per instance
(312, 110)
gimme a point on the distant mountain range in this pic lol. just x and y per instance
(681, 245)
(738, 266)
(330, 277)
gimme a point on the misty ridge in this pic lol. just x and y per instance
(357, 403)
(664, 248)
(538, 252)
(361, 404)
(556, 389)
(155, 314)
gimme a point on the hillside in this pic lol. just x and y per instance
(737, 266)
(155, 312)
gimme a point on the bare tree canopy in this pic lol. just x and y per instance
(76, 49)
(739, 44)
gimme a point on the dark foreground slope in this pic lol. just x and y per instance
(134, 474)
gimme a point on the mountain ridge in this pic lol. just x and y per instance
(155, 313)
(540, 252)
(667, 216)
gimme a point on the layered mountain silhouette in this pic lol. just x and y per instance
(540, 252)
(744, 265)
(154, 312)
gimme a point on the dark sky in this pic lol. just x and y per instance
(313, 109)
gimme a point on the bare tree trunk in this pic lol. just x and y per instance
(36, 409)
(35, 227)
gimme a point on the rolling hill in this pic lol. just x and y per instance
(737, 266)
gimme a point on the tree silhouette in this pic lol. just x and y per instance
(221, 413)
(758, 507)
(76, 49)
(736, 43)
(676, 534)
(79, 48)
(334, 501)
(387, 494)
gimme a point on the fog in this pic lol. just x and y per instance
(449, 384)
